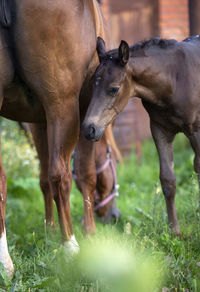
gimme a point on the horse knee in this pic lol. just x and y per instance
(44, 184)
(168, 186)
(59, 178)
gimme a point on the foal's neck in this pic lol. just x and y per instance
(151, 77)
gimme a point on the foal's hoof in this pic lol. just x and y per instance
(176, 231)
(71, 247)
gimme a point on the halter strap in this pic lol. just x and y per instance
(114, 193)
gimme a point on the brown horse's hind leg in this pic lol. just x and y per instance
(86, 176)
(195, 143)
(39, 133)
(164, 144)
(4, 255)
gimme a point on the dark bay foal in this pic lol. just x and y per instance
(165, 74)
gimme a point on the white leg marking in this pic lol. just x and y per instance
(4, 255)
(72, 246)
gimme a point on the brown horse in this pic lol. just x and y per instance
(48, 54)
(165, 75)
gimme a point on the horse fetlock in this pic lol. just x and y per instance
(5, 258)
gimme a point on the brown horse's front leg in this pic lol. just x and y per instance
(4, 254)
(164, 144)
(39, 133)
(86, 176)
(63, 130)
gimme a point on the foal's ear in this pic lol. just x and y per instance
(124, 53)
(101, 48)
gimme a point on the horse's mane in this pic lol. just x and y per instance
(143, 45)
(158, 42)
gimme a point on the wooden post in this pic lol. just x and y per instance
(194, 12)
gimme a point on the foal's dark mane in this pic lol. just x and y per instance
(146, 44)
(158, 42)
(154, 42)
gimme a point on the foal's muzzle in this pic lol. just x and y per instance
(92, 132)
(112, 214)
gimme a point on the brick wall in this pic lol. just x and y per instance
(174, 19)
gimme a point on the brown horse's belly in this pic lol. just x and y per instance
(18, 106)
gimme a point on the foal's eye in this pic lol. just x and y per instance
(113, 91)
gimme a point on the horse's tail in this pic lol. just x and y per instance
(5, 13)
(111, 140)
(26, 129)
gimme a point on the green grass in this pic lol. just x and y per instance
(140, 240)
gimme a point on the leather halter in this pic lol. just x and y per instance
(114, 192)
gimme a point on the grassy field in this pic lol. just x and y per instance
(135, 254)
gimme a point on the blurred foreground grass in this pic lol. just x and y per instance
(135, 254)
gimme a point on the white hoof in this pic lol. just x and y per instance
(8, 266)
(71, 247)
(5, 258)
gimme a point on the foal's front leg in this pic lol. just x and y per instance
(4, 255)
(164, 144)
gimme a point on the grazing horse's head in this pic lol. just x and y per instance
(110, 89)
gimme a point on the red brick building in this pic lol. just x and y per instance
(134, 20)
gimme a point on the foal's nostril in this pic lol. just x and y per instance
(92, 131)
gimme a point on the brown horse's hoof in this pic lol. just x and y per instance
(89, 229)
(5, 258)
(71, 246)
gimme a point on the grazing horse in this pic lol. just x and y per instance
(165, 74)
(48, 54)
(106, 153)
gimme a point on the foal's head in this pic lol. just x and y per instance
(111, 89)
